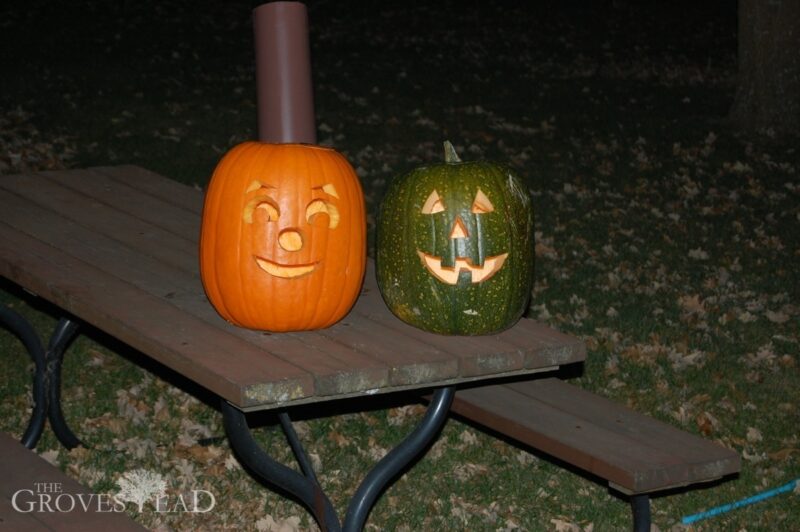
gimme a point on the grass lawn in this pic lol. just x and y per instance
(665, 240)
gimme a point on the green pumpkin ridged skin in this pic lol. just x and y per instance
(419, 298)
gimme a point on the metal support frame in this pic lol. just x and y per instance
(640, 505)
(46, 378)
(305, 486)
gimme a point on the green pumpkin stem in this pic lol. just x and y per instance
(450, 155)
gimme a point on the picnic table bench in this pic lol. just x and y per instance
(37, 496)
(116, 248)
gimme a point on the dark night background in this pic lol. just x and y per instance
(114, 75)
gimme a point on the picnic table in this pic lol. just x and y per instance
(116, 248)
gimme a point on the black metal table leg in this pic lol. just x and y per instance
(640, 505)
(64, 333)
(23, 330)
(47, 377)
(306, 488)
(385, 470)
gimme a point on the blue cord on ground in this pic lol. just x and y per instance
(758, 497)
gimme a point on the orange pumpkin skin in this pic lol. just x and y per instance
(283, 237)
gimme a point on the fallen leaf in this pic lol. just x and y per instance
(338, 438)
(51, 456)
(777, 317)
(692, 304)
(269, 524)
(707, 423)
(468, 437)
(783, 454)
(565, 526)
(754, 435)
(698, 254)
(753, 457)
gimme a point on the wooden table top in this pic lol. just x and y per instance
(117, 247)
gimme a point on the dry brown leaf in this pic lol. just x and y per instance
(783, 454)
(700, 398)
(754, 435)
(338, 438)
(468, 470)
(777, 317)
(50, 456)
(565, 526)
(113, 423)
(200, 453)
(468, 438)
(692, 304)
(269, 524)
(402, 414)
(707, 423)
(543, 250)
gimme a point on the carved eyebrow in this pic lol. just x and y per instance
(328, 189)
(256, 185)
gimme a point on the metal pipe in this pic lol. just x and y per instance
(285, 99)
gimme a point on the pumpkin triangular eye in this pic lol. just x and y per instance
(433, 204)
(481, 204)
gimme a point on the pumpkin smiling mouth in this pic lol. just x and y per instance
(284, 271)
(449, 275)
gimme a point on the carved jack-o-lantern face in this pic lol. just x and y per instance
(283, 238)
(262, 207)
(477, 272)
(454, 251)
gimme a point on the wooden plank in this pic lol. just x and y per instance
(185, 196)
(630, 460)
(543, 345)
(43, 198)
(235, 370)
(162, 213)
(336, 368)
(704, 458)
(476, 356)
(22, 469)
(351, 370)
(411, 362)
(12, 520)
(602, 453)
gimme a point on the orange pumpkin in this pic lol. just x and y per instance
(283, 237)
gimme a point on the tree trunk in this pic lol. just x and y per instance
(768, 87)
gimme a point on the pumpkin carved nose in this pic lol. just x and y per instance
(290, 240)
(459, 229)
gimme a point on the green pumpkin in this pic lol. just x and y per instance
(455, 247)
